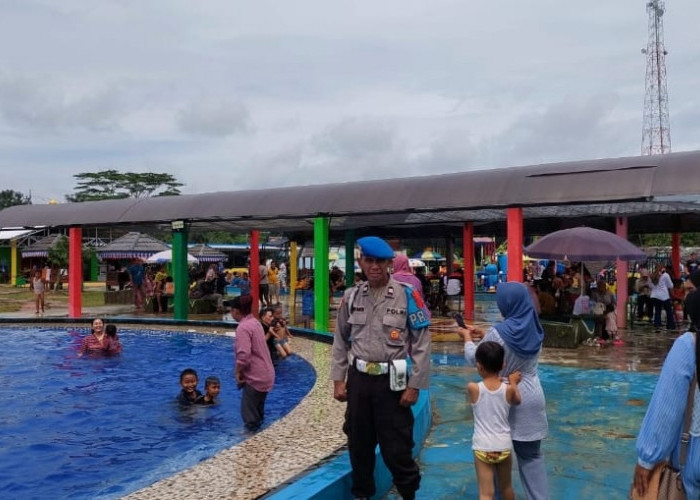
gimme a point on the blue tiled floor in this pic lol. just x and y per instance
(594, 416)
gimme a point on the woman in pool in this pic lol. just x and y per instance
(98, 342)
(521, 336)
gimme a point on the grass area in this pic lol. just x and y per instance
(12, 299)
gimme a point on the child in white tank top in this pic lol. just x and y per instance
(491, 400)
(39, 287)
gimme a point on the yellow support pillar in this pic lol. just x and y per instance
(293, 268)
(14, 263)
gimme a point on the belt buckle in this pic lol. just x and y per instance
(374, 368)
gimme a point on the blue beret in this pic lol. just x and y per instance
(372, 246)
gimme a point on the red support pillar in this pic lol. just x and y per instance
(255, 269)
(468, 254)
(514, 221)
(621, 276)
(676, 255)
(75, 272)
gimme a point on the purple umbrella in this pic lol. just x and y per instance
(583, 243)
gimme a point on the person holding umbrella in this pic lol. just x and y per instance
(521, 336)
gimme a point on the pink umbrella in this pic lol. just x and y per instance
(583, 243)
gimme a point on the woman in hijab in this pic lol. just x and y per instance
(404, 274)
(521, 336)
(659, 438)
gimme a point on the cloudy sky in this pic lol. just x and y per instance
(228, 94)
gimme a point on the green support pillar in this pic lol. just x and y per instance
(349, 258)
(180, 277)
(94, 268)
(321, 272)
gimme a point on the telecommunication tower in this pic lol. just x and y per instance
(656, 131)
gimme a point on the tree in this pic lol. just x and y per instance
(115, 185)
(58, 253)
(10, 198)
(664, 239)
(219, 237)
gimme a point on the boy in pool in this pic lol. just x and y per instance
(491, 400)
(114, 345)
(280, 331)
(212, 388)
(188, 381)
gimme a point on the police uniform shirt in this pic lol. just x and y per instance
(378, 331)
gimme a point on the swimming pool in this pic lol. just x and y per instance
(104, 427)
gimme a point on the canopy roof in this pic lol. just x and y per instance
(661, 190)
(205, 253)
(13, 235)
(132, 245)
(40, 248)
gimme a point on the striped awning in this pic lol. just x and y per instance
(40, 248)
(133, 245)
(35, 253)
(125, 255)
(205, 253)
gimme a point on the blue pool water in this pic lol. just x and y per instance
(594, 417)
(103, 427)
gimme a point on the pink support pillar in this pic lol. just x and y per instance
(255, 269)
(621, 276)
(514, 220)
(75, 272)
(468, 254)
(676, 255)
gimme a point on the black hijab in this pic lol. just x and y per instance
(692, 305)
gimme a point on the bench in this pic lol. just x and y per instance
(567, 331)
(194, 306)
(201, 306)
(119, 297)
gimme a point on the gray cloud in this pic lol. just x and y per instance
(273, 93)
(30, 103)
(216, 118)
(356, 138)
(571, 129)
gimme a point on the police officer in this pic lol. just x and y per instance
(379, 324)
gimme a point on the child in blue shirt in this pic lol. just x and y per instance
(189, 393)
(212, 388)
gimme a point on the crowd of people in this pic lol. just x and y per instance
(383, 321)
(152, 284)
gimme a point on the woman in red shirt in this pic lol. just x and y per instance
(97, 342)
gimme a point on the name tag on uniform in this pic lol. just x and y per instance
(398, 376)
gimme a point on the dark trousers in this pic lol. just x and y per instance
(252, 407)
(666, 306)
(373, 416)
(643, 306)
(264, 291)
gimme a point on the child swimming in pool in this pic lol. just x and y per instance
(281, 332)
(115, 345)
(491, 400)
(212, 388)
(188, 381)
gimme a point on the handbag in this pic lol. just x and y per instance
(665, 482)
